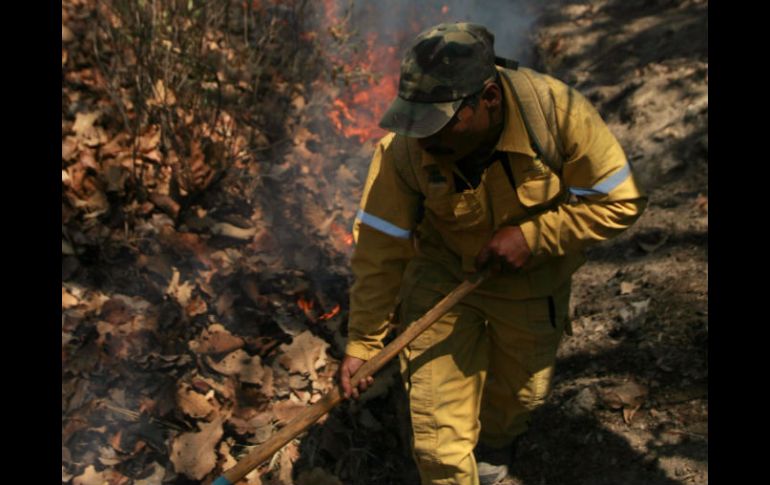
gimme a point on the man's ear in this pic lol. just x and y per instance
(492, 95)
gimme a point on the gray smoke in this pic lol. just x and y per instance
(511, 21)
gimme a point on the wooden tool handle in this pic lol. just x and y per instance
(312, 414)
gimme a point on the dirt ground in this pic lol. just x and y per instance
(640, 306)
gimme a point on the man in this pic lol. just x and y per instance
(458, 187)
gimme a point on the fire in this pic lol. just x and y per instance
(330, 314)
(357, 112)
(340, 234)
(307, 307)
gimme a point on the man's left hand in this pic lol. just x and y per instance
(507, 250)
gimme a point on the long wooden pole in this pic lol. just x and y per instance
(312, 414)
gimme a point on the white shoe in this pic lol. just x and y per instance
(493, 463)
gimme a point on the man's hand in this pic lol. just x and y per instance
(507, 250)
(350, 366)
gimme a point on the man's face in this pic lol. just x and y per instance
(465, 132)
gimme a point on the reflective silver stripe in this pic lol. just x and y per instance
(607, 186)
(382, 225)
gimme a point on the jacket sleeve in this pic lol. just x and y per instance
(382, 231)
(605, 198)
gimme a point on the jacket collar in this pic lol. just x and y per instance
(514, 137)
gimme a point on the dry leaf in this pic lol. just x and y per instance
(67, 249)
(628, 413)
(224, 452)
(115, 146)
(298, 102)
(65, 476)
(298, 381)
(216, 340)
(67, 300)
(84, 123)
(229, 230)
(305, 354)
(626, 288)
(115, 311)
(286, 410)
(69, 148)
(193, 453)
(85, 131)
(166, 204)
(184, 242)
(180, 292)
(629, 396)
(252, 478)
(196, 306)
(90, 477)
(239, 363)
(200, 174)
(150, 140)
(107, 456)
(159, 264)
(66, 35)
(96, 205)
(267, 387)
(115, 175)
(225, 389)
(289, 454)
(87, 158)
(155, 478)
(194, 404)
(162, 95)
(225, 304)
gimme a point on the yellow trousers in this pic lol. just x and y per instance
(477, 373)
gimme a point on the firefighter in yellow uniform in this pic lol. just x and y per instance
(489, 167)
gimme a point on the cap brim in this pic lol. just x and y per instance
(418, 120)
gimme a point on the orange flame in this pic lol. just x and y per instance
(341, 234)
(371, 75)
(307, 307)
(358, 112)
(330, 314)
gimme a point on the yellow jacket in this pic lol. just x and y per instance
(409, 206)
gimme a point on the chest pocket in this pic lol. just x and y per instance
(463, 211)
(536, 185)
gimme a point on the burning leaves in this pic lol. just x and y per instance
(206, 258)
(372, 76)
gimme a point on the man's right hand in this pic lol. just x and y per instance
(348, 368)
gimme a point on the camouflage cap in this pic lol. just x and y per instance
(444, 65)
